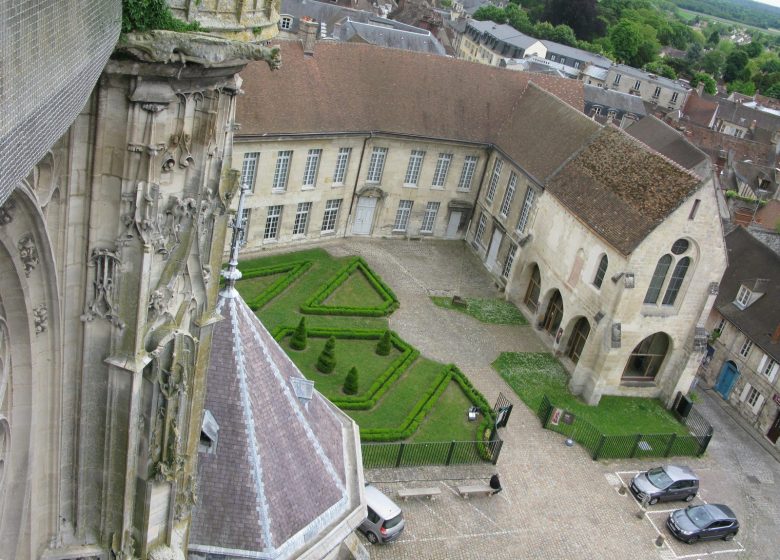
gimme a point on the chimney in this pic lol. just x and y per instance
(308, 31)
(700, 89)
(776, 335)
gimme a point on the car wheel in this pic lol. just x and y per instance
(729, 537)
(689, 497)
(372, 538)
(653, 501)
(691, 540)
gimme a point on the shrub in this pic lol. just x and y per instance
(298, 340)
(351, 382)
(383, 346)
(326, 363)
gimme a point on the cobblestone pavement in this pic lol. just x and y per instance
(557, 503)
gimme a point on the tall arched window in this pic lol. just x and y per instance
(657, 282)
(676, 281)
(601, 271)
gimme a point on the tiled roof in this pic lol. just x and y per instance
(621, 191)
(749, 260)
(699, 110)
(668, 142)
(250, 498)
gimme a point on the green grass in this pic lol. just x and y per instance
(533, 375)
(445, 420)
(495, 311)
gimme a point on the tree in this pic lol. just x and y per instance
(742, 86)
(736, 66)
(694, 54)
(714, 38)
(351, 382)
(633, 43)
(712, 62)
(490, 13)
(580, 15)
(326, 363)
(518, 19)
(298, 339)
(661, 69)
(754, 49)
(709, 83)
(383, 347)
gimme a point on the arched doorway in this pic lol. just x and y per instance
(531, 298)
(726, 379)
(554, 313)
(645, 360)
(579, 336)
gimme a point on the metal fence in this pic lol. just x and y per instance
(603, 446)
(430, 453)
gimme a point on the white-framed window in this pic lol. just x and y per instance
(553, 58)
(509, 194)
(675, 95)
(414, 167)
(577, 64)
(744, 351)
(617, 80)
(510, 258)
(637, 84)
(376, 165)
(242, 233)
(402, 215)
(301, 218)
(285, 23)
(494, 177)
(442, 168)
(563, 60)
(657, 92)
(525, 212)
(342, 160)
(752, 397)
(431, 209)
(768, 368)
(249, 169)
(272, 220)
(743, 297)
(311, 168)
(282, 170)
(330, 217)
(480, 229)
(467, 173)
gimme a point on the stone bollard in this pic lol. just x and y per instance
(659, 541)
(622, 490)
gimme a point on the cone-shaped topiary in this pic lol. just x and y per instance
(383, 346)
(298, 339)
(326, 363)
(351, 382)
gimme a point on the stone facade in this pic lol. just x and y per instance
(670, 94)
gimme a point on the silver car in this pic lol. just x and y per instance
(665, 483)
(385, 520)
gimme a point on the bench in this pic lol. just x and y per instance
(429, 493)
(483, 489)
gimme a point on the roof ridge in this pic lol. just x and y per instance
(659, 154)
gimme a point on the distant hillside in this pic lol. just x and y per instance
(742, 11)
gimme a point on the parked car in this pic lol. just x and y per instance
(708, 521)
(665, 483)
(385, 520)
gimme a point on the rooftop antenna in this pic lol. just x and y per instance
(231, 274)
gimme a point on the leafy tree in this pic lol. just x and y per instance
(383, 347)
(736, 66)
(326, 363)
(771, 65)
(742, 86)
(709, 83)
(351, 382)
(714, 38)
(489, 12)
(580, 15)
(298, 339)
(765, 82)
(754, 49)
(518, 19)
(633, 43)
(661, 69)
(713, 62)
(694, 53)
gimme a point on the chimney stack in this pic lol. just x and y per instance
(308, 29)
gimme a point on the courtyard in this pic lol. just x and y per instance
(557, 502)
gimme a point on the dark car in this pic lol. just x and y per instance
(708, 521)
(665, 483)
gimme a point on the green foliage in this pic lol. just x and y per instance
(581, 16)
(298, 339)
(777, 226)
(351, 382)
(713, 62)
(661, 69)
(147, 15)
(384, 345)
(633, 43)
(742, 86)
(486, 310)
(710, 86)
(326, 363)
(256, 301)
(735, 195)
(736, 66)
(741, 11)
(490, 13)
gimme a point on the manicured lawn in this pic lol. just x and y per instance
(446, 420)
(533, 375)
(496, 311)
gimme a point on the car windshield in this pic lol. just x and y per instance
(390, 523)
(700, 516)
(659, 478)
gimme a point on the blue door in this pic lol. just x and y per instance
(726, 379)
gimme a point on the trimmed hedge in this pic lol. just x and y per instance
(314, 305)
(294, 270)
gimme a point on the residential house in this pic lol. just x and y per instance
(619, 287)
(660, 91)
(487, 42)
(610, 106)
(744, 351)
(575, 59)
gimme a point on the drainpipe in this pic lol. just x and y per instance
(357, 179)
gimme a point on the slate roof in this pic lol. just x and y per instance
(578, 54)
(749, 259)
(505, 33)
(251, 499)
(742, 115)
(620, 191)
(668, 142)
(614, 99)
(418, 40)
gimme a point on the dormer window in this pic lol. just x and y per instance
(743, 297)
(209, 432)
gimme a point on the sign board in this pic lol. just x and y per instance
(568, 418)
(555, 417)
